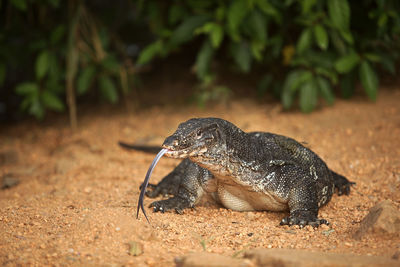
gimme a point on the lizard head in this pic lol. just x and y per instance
(194, 138)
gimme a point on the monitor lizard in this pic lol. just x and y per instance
(245, 172)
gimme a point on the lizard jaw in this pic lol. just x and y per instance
(172, 152)
(183, 153)
(177, 154)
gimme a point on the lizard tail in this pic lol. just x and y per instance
(143, 148)
(342, 184)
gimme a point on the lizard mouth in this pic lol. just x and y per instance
(183, 153)
(180, 150)
(177, 154)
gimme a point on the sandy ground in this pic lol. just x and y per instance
(76, 200)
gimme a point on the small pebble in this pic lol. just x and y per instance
(348, 244)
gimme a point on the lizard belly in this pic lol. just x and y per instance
(243, 199)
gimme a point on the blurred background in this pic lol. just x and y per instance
(76, 77)
(58, 55)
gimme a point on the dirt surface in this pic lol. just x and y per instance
(75, 203)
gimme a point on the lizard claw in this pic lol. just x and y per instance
(174, 203)
(345, 188)
(303, 219)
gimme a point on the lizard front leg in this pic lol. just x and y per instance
(169, 185)
(193, 184)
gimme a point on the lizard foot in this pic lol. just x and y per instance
(342, 184)
(160, 189)
(174, 203)
(344, 189)
(303, 218)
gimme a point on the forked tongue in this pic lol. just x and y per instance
(146, 183)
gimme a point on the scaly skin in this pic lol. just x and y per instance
(246, 171)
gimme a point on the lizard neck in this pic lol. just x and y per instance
(236, 154)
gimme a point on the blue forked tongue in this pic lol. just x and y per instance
(146, 183)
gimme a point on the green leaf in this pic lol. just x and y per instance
(51, 101)
(321, 59)
(325, 90)
(236, 13)
(328, 73)
(321, 37)
(288, 89)
(337, 42)
(346, 34)
(55, 73)
(36, 108)
(304, 41)
(369, 79)
(256, 49)
(306, 5)
(85, 79)
(339, 13)
(57, 34)
(108, 89)
(257, 25)
(111, 64)
(270, 10)
(19, 4)
(304, 76)
(42, 64)
(149, 52)
(214, 30)
(27, 88)
(3, 72)
(383, 18)
(217, 34)
(372, 57)
(242, 55)
(203, 60)
(308, 96)
(26, 102)
(185, 31)
(346, 63)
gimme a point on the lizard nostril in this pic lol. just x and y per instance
(170, 142)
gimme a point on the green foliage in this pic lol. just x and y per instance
(306, 49)
(149, 52)
(203, 60)
(108, 89)
(85, 79)
(346, 63)
(185, 31)
(314, 45)
(70, 49)
(369, 80)
(42, 64)
(308, 95)
(321, 36)
(242, 55)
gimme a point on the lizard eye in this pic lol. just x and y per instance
(199, 134)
